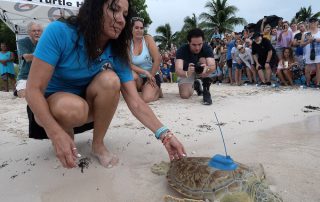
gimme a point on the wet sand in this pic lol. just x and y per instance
(290, 154)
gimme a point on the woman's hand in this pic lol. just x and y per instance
(66, 150)
(174, 148)
(151, 79)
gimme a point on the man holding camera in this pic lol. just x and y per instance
(195, 60)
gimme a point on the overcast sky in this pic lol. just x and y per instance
(174, 11)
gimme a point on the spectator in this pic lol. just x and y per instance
(311, 46)
(166, 73)
(79, 67)
(265, 58)
(294, 28)
(297, 41)
(6, 66)
(195, 60)
(236, 62)
(145, 62)
(230, 43)
(245, 55)
(284, 38)
(26, 47)
(285, 67)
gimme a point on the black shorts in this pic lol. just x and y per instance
(229, 63)
(37, 132)
(157, 77)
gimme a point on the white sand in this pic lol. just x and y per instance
(262, 125)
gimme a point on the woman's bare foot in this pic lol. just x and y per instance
(106, 158)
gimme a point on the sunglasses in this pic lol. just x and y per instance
(133, 19)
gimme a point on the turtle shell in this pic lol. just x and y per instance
(193, 178)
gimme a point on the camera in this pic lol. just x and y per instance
(198, 68)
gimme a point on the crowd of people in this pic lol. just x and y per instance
(280, 54)
(72, 74)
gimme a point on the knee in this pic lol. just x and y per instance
(109, 80)
(185, 95)
(71, 113)
(148, 99)
(21, 93)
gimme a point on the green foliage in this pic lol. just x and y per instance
(140, 9)
(165, 38)
(304, 14)
(7, 36)
(220, 15)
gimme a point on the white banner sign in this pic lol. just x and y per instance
(17, 14)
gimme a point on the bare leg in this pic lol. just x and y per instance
(185, 90)
(236, 77)
(103, 96)
(69, 111)
(268, 74)
(261, 76)
(318, 73)
(254, 74)
(288, 75)
(150, 93)
(21, 93)
(280, 75)
(308, 74)
(249, 76)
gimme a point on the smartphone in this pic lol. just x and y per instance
(308, 34)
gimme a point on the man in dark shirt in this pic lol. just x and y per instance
(297, 43)
(264, 56)
(195, 60)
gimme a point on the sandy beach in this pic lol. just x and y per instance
(277, 127)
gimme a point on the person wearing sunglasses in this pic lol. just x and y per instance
(145, 62)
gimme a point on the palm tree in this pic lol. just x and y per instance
(220, 16)
(165, 37)
(305, 13)
(190, 23)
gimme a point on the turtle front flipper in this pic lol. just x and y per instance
(160, 168)
(168, 198)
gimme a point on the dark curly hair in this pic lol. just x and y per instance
(89, 23)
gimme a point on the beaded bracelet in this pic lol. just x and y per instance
(167, 138)
(160, 131)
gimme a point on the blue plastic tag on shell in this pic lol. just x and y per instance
(222, 162)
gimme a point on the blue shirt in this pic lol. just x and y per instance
(73, 71)
(8, 68)
(230, 45)
(25, 46)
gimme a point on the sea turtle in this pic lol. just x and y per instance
(196, 181)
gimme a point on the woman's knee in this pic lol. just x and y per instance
(109, 80)
(70, 111)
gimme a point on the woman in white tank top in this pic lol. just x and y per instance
(145, 62)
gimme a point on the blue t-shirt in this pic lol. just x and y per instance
(72, 69)
(230, 45)
(165, 71)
